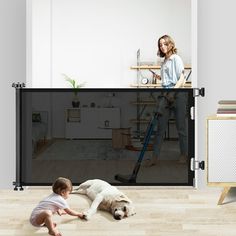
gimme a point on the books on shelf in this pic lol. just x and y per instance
(227, 102)
(226, 108)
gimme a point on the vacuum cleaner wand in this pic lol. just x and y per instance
(132, 178)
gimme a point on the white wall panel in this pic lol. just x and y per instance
(39, 44)
(96, 41)
(216, 63)
(12, 69)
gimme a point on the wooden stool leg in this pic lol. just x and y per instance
(223, 195)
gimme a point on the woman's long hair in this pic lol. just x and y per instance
(170, 44)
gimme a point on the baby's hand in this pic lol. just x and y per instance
(81, 215)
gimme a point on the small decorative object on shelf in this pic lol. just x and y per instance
(144, 81)
(92, 104)
(109, 99)
(106, 123)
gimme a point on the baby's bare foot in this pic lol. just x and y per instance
(54, 232)
(54, 225)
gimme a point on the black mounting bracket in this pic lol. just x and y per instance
(18, 85)
(197, 165)
(18, 186)
(201, 165)
(199, 92)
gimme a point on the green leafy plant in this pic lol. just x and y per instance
(73, 83)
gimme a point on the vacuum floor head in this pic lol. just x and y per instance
(125, 178)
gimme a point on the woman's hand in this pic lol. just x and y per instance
(156, 77)
(180, 83)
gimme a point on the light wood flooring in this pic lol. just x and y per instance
(160, 211)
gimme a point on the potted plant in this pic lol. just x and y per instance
(75, 86)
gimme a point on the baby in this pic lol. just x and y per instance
(54, 203)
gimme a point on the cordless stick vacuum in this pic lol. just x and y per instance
(132, 178)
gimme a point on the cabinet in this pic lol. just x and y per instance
(91, 123)
(221, 153)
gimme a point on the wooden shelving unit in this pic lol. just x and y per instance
(141, 105)
(139, 67)
(141, 120)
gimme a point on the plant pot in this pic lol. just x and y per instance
(75, 103)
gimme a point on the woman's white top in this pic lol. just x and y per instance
(171, 70)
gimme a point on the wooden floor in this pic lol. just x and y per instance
(160, 211)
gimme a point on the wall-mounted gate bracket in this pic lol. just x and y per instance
(197, 92)
(197, 165)
(18, 85)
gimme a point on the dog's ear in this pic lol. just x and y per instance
(122, 198)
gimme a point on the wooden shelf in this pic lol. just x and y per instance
(144, 103)
(157, 67)
(146, 67)
(141, 121)
(187, 85)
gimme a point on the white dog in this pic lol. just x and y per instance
(105, 197)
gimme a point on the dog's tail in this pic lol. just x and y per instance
(78, 191)
(82, 188)
(75, 191)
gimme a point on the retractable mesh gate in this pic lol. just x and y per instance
(101, 135)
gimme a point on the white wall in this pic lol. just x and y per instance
(216, 61)
(96, 41)
(12, 69)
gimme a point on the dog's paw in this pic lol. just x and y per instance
(86, 216)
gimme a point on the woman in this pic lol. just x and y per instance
(172, 76)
